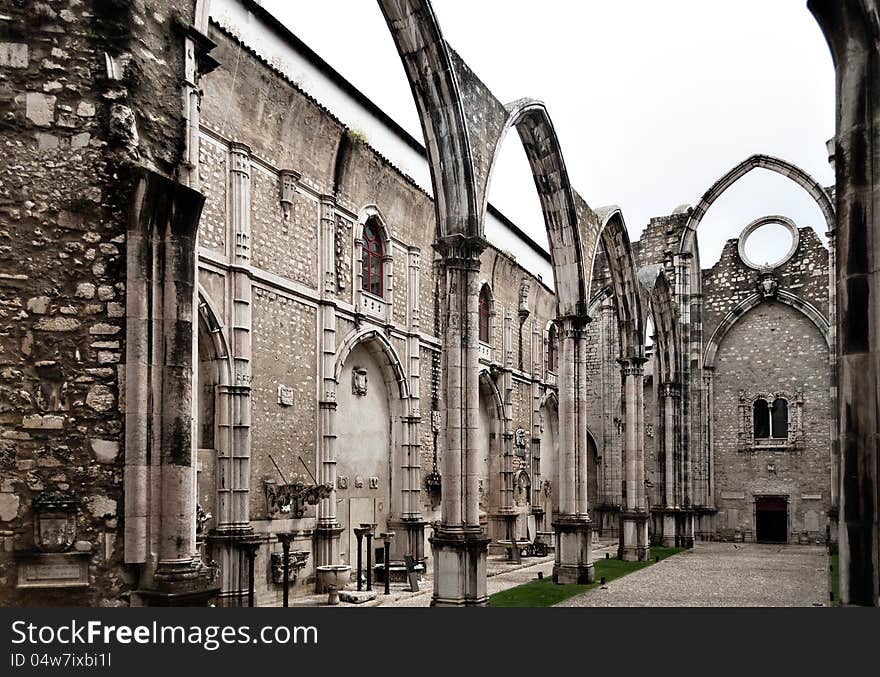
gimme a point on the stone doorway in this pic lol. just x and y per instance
(771, 519)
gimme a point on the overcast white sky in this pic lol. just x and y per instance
(652, 101)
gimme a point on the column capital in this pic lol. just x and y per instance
(461, 250)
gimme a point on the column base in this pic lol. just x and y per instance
(574, 551)
(233, 565)
(633, 542)
(183, 583)
(410, 539)
(459, 568)
(327, 544)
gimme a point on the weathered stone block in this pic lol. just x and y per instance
(100, 506)
(40, 108)
(8, 507)
(103, 328)
(105, 451)
(58, 324)
(13, 55)
(100, 398)
(37, 422)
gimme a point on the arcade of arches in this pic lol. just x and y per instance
(279, 337)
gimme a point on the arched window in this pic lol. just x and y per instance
(771, 420)
(485, 308)
(761, 418)
(779, 419)
(373, 254)
(552, 349)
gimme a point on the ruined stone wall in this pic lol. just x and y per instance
(772, 348)
(88, 92)
(729, 281)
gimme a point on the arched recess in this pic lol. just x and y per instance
(773, 164)
(538, 136)
(665, 314)
(371, 438)
(812, 313)
(222, 499)
(624, 281)
(437, 93)
(495, 480)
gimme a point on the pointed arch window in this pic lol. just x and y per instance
(485, 311)
(373, 255)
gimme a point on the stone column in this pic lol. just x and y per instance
(328, 528)
(159, 454)
(634, 517)
(505, 508)
(853, 34)
(834, 510)
(537, 478)
(574, 555)
(411, 524)
(669, 393)
(459, 546)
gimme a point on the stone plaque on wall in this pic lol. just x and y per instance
(285, 396)
(54, 570)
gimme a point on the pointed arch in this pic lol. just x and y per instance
(664, 311)
(624, 281)
(556, 195)
(812, 313)
(210, 317)
(770, 163)
(381, 349)
(437, 94)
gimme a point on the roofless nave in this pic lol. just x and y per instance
(237, 333)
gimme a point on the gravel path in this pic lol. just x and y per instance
(722, 574)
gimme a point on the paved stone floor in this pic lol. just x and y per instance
(722, 574)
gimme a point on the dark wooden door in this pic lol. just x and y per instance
(771, 519)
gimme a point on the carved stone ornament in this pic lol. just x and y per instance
(342, 482)
(520, 438)
(374, 483)
(435, 421)
(359, 381)
(290, 500)
(768, 285)
(54, 521)
(358, 482)
(296, 560)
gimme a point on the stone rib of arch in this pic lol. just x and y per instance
(810, 311)
(768, 162)
(391, 363)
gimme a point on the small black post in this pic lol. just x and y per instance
(359, 533)
(602, 580)
(285, 547)
(369, 534)
(250, 550)
(607, 556)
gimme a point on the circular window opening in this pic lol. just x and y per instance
(768, 242)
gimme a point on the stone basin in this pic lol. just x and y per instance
(338, 575)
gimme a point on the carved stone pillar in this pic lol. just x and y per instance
(574, 555)
(853, 33)
(634, 517)
(537, 478)
(411, 523)
(459, 546)
(328, 528)
(159, 452)
(670, 395)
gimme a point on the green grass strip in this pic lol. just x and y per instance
(544, 593)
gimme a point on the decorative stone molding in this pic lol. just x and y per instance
(746, 441)
(768, 285)
(288, 180)
(290, 500)
(285, 396)
(359, 381)
(296, 560)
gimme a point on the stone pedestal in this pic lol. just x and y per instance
(633, 537)
(574, 551)
(459, 568)
(669, 538)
